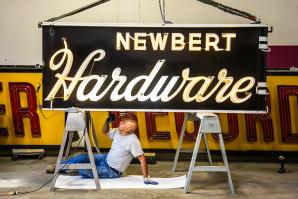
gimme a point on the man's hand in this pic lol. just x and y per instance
(148, 181)
(111, 117)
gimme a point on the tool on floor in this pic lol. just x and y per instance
(16, 153)
(282, 168)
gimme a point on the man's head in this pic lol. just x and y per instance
(127, 126)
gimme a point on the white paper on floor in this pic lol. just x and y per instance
(126, 182)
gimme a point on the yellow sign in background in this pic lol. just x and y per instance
(52, 122)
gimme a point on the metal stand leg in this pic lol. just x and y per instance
(75, 122)
(91, 158)
(93, 135)
(180, 142)
(207, 149)
(187, 116)
(59, 160)
(209, 124)
(225, 160)
(70, 136)
(193, 161)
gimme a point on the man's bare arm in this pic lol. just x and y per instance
(105, 128)
(144, 165)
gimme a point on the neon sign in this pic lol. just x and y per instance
(190, 82)
(154, 68)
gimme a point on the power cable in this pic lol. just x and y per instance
(231, 10)
(93, 134)
(76, 11)
(11, 193)
(162, 8)
(39, 105)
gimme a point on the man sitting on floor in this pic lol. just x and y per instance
(125, 146)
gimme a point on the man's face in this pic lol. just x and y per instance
(127, 126)
(123, 125)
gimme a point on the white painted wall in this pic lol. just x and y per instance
(20, 37)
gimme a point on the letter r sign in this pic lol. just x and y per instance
(19, 112)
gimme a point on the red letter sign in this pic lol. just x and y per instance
(3, 130)
(19, 112)
(233, 128)
(151, 127)
(285, 115)
(250, 120)
(179, 118)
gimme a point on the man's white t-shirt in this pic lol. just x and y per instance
(123, 149)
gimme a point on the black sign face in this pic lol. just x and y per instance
(136, 68)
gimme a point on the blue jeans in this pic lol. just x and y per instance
(102, 167)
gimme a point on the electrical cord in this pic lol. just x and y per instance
(231, 10)
(26, 192)
(11, 193)
(92, 135)
(220, 6)
(39, 104)
(76, 11)
(162, 8)
(91, 120)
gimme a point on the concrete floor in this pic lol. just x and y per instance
(251, 180)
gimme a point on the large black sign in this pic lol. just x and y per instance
(154, 68)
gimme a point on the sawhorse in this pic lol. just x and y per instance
(209, 124)
(189, 117)
(75, 122)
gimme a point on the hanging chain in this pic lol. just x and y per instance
(162, 8)
(139, 11)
